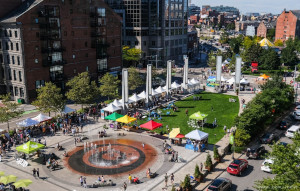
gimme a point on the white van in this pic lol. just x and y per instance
(292, 130)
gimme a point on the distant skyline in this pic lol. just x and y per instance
(254, 6)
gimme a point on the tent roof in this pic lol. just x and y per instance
(223, 79)
(159, 90)
(231, 80)
(27, 122)
(126, 119)
(266, 42)
(198, 115)
(244, 81)
(180, 136)
(151, 125)
(142, 95)
(135, 98)
(197, 135)
(68, 110)
(264, 76)
(41, 118)
(30, 147)
(117, 103)
(174, 85)
(114, 116)
(154, 92)
(174, 132)
(194, 81)
(111, 108)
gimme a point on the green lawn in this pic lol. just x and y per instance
(223, 110)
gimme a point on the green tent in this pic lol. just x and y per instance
(198, 116)
(30, 147)
(114, 116)
(8, 179)
(22, 183)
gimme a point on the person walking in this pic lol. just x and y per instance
(225, 128)
(129, 179)
(143, 145)
(176, 157)
(172, 178)
(201, 167)
(38, 172)
(75, 141)
(125, 186)
(166, 180)
(81, 181)
(34, 172)
(84, 182)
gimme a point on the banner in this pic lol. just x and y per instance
(231, 139)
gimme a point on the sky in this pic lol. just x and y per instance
(254, 6)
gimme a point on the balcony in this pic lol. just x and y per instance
(52, 49)
(47, 63)
(53, 36)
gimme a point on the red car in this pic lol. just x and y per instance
(237, 166)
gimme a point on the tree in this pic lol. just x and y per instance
(9, 111)
(230, 26)
(247, 43)
(109, 85)
(235, 44)
(131, 55)
(278, 42)
(224, 38)
(134, 79)
(253, 53)
(49, 98)
(286, 166)
(82, 90)
(269, 60)
(241, 137)
(271, 34)
(288, 54)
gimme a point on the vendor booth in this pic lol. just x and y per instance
(198, 136)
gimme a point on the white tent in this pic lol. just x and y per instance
(174, 85)
(195, 82)
(142, 95)
(27, 122)
(197, 135)
(68, 110)
(159, 90)
(111, 108)
(244, 82)
(135, 98)
(41, 118)
(121, 101)
(154, 92)
(117, 103)
(223, 79)
(231, 80)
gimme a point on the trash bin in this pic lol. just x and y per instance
(21, 101)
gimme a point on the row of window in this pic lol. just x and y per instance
(11, 59)
(10, 46)
(16, 91)
(12, 75)
(9, 33)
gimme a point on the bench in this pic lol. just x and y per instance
(102, 184)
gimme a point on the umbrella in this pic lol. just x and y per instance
(2, 173)
(151, 125)
(8, 179)
(41, 118)
(126, 119)
(114, 116)
(198, 116)
(135, 98)
(111, 108)
(264, 76)
(27, 122)
(174, 132)
(30, 147)
(22, 183)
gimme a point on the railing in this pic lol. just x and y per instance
(52, 49)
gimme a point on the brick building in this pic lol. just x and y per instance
(288, 25)
(264, 27)
(54, 40)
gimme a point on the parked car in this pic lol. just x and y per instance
(297, 107)
(220, 184)
(292, 130)
(283, 125)
(237, 166)
(265, 166)
(267, 138)
(255, 152)
(296, 115)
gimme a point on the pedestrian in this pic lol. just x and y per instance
(125, 186)
(225, 128)
(81, 181)
(195, 146)
(201, 166)
(75, 141)
(143, 145)
(228, 132)
(38, 172)
(176, 157)
(84, 182)
(34, 172)
(186, 112)
(212, 108)
(172, 178)
(129, 179)
(166, 180)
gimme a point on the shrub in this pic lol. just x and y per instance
(197, 172)
(216, 153)
(208, 162)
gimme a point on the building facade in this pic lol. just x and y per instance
(157, 27)
(54, 40)
(264, 27)
(288, 25)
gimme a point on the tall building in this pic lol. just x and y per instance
(264, 27)
(157, 27)
(54, 40)
(288, 25)
(224, 9)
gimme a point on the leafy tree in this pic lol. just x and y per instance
(271, 34)
(212, 59)
(109, 85)
(134, 79)
(269, 60)
(253, 53)
(49, 98)
(224, 39)
(286, 166)
(82, 90)
(235, 44)
(242, 137)
(9, 111)
(278, 42)
(131, 55)
(247, 43)
(230, 26)
(288, 54)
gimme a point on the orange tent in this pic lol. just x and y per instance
(264, 76)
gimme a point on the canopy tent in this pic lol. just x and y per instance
(22, 183)
(117, 103)
(151, 125)
(244, 82)
(214, 84)
(154, 92)
(135, 98)
(126, 119)
(265, 42)
(111, 108)
(198, 116)
(29, 147)
(180, 136)
(2, 173)
(197, 135)
(28, 122)
(264, 76)
(8, 179)
(223, 79)
(121, 101)
(68, 110)
(211, 79)
(194, 81)
(142, 95)
(231, 80)
(174, 132)
(159, 90)
(41, 118)
(113, 116)
(174, 85)
(165, 88)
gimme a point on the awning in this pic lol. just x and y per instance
(30, 147)
(174, 132)
(126, 119)
(111, 108)
(198, 116)
(28, 122)
(135, 98)
(151, 125)
(197, 135)
(41, 118)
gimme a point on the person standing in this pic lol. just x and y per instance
(38, 172)
(75, 141)
(166, 180)
(186, 112)
(176, 157)
(225, 128)
(129, 179)
(81, 181)
(125, 186)
(84, 182)
(34, 172)
(172, 178)
(143, 145)
(201, 167)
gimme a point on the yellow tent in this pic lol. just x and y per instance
(264, 76)
(266, 42)
(126, 119)
(174, 133)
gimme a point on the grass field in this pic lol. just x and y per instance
(223, 110)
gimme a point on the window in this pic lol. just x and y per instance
(86, 44)
(101, 12)
(16, 91)
(10, 33)
(17, 46)
(37, 34)
(5, 33)
(0, 45)
(153, 43)
(72, 33)
(18, 60)
(21, 92)
(87, 68)
(136, 43)
(7, 59)
(12, 46)
(16, 34)
(39, 83)
(128, 43)
(36, 60)
(11, 89)
(13, 59)
(15, 75)
(36, 20)
(20, 76)
(7, 47)
(9, 74)
(1, 58)
(102, 64)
